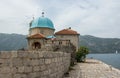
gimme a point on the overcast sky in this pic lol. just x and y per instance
(99, 18)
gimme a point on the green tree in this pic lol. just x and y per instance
(81, 54)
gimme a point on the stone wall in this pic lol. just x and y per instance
(26, 64)
(45, 31)
(74, 39)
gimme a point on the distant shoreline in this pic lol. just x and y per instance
(103, 53)
(109, 58)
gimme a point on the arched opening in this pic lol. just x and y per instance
(36, 45)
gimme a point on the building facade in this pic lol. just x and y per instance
(69, 34)
(41, 35)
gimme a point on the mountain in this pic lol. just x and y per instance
(12, 42)
(100, 45)
(95, 44)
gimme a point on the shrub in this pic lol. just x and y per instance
(81, 54)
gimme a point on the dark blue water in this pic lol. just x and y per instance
(111, 59)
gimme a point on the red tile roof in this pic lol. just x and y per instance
(37, 36)
(67, 32)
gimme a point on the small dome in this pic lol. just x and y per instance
(42, 22)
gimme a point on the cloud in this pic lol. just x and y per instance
(104, 21)
(14, 15)
(94, 17)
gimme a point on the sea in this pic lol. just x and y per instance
(110, 59)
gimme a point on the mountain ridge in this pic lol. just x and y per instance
(100, 45)
(10, 42)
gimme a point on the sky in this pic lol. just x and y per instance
(100, 18)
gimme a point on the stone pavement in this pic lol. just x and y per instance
(93, 69)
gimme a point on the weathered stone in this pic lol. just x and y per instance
(19, 76)
(33, 55)
(14, 54)
(22, 54)
(21, 69)
(33, 65)
(34, 62)
(5, 70)
(46, 72)
(41, 61)
(17, 62)
(27, 69)
(32, 75)
(5, 75)
(26, 62)
(5, 62)
(4, 54)
(36, 68)
(56, 59)
(14, 70)
(93, 69)
(47, 61)
(40, 55)
(24, 69)
(43, 67)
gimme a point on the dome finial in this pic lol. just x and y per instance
(42, 14)
(33, 17)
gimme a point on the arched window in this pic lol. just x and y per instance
(36, 45)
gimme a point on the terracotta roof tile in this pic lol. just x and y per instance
(66, 32)
(36, 36)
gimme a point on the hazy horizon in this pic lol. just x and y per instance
(80, 35)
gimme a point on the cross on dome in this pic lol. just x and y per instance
(42, 14)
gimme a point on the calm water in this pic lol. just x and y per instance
(111, 59)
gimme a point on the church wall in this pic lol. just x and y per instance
(73, 38)
(33, 64)
(31, 41)
(44, 31)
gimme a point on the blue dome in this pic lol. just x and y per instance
(42, 22)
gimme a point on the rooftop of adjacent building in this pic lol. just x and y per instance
(67, 31)
(39, 35)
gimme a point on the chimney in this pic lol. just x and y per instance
(69, 27)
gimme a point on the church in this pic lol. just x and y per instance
(42, 35)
